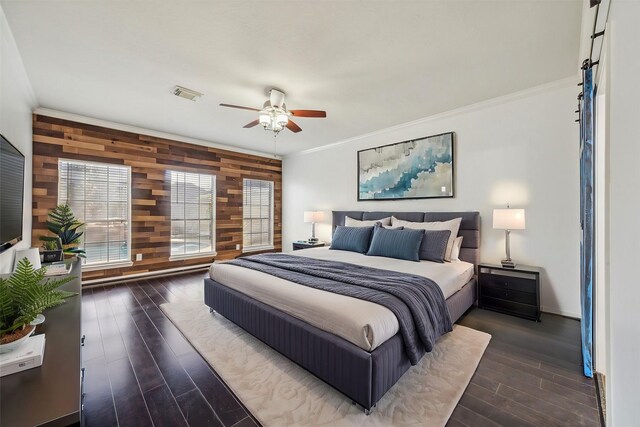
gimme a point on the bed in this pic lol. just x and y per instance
(362, 365)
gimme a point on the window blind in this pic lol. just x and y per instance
(257, 215)
(192, 213)
(99, 196)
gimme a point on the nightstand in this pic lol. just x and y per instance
(514, 291)
(303, 244)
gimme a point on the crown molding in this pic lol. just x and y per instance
(149, 132)
(537, 90)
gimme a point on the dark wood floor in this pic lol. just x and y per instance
(530, 375)
(139, 369)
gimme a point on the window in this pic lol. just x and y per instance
(99, 196)
(257, 215)
(193, 210)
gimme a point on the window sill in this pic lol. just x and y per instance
(258, 249)
(192, 256)
(93, 267)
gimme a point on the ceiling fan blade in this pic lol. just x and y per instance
(239, 107)
(252, 124)
(308, 113)
(293, 127)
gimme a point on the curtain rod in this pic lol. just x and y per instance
(593, 32)
(589, 62)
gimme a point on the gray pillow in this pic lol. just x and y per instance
(351, 222)
(401, 244)
(434, 245)
(354, 239)
(388, 227)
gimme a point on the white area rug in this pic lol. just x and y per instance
(280, 393)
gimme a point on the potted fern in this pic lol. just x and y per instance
(23, 296)
(64, 224)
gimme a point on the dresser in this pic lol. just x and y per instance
(514, 291)
(50, 394)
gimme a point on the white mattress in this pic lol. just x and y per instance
(363, 323)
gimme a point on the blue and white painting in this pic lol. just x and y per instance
(415, 169)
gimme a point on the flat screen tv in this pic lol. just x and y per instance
(11, 194)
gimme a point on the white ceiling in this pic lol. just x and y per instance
(370, 65)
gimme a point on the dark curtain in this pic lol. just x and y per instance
(587, 128)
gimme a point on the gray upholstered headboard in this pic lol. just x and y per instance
(469, 227)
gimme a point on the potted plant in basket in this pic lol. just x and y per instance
(23, 296)
(63, 223)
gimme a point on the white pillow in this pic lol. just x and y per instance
(452, 225)
(455, 252)
(350, 222)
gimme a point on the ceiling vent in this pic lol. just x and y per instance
(189, 94)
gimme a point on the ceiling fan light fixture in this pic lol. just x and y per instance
(274, 115)
(282, 119)
(264, 120)
(276, 98)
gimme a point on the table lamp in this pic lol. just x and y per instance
(313, 217)
(507, 220)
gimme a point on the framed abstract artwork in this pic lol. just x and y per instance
(421, 168)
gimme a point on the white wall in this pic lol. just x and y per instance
(16, 103)
(521, 149)
(623, 376)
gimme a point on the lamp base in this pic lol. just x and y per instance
(508, 263)
(312, 240)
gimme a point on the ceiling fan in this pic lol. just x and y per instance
(274, 115)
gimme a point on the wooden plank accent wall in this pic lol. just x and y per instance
(149, 158)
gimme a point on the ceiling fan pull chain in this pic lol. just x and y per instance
(275, 144)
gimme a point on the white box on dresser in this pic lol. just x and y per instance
(28, 355)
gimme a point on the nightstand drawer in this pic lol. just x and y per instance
(306, 245)
(514, 291)
(509, 282)
(523, 310)
(509, 295)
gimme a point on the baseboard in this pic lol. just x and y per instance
(601, 396)
(563, 313)
(108, 281)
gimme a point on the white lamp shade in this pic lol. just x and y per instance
(313, 216)
(508, 219)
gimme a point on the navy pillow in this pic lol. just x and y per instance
(386, 227)
(401, 244)
(354, 239)
(434, 245)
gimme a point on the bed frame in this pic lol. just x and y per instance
(361, 375)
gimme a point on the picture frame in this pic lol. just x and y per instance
(420, 168)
